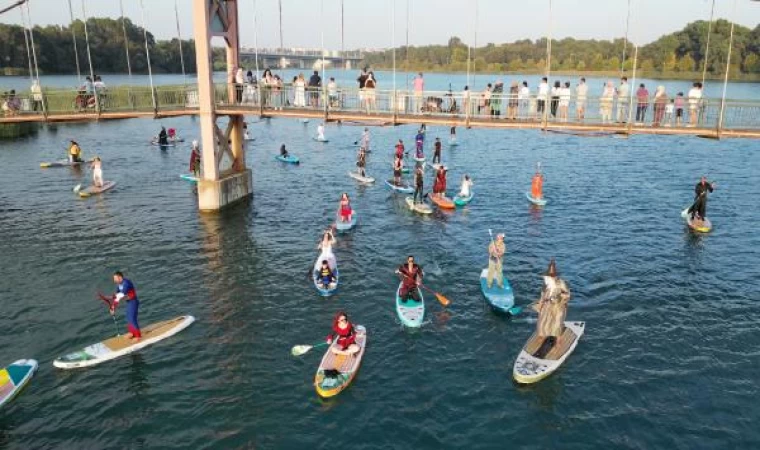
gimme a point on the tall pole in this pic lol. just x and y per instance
(625, 41)
(707, 46)
(31, 40)
(74, 37)
(126, 41)
(725, 79)
(633, 83)
(322, 36)
(256, 37)
(282, 46)
(342, 40)
(147, 57)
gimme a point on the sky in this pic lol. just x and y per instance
(369, 24)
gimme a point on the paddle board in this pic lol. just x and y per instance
(321, 140)
(360, 178)
(500, 298)
(119, 346)
(422, 208)
(421, 160)
(704, 227)
(453, 143)
(290, 159)
(346, 365)
(405, 189)
(529, 369)
(535, 201)
(461, 201)
(62, 163)
(345, 226)
(156, 144)
(442, 201)
(94, 190)
(326, 291)
(410, 312)
(14, 377)
(189, 177)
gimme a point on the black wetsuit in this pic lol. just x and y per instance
(418, 182)
(700, 200)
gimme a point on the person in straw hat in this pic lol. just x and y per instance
(551, 309)
(496, 252)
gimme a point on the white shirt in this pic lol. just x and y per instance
(623, 91)
(465, 191)
(321, 131)
(581, 91)
(564, 94)
(543, 89)
(332, 88)
(239, 79)
(524, 93)
(695, 94)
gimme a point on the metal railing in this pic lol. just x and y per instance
(473, 107)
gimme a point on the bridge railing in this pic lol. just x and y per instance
(461, 106)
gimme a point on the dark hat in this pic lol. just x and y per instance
(551, 271)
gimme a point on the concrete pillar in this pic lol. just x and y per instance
(217, 188)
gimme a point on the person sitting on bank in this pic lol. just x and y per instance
(551, 309)
(411, 278)
(343, 331)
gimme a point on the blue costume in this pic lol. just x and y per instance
(127, 289)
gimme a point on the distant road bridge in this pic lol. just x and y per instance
(301, 58)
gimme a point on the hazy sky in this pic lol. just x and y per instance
(368, 22)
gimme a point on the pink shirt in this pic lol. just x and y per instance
(419, 84)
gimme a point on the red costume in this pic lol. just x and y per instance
(399, 150)
(346, 336)
(409, 280)
(439, 187)
(345, 210)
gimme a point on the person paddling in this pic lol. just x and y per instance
(439, 187)
(97, 172)
(283, 152)
(437, 151)
(75, 152)
(325, 277)
(344, 332)
(698, 209)
(411, 278)
(400, 149)
(361, 161)
(466, 190)
(125, 290)
(195, 159)
(453, 134)
(364, 142)
(419, 177)
(398, 166)
(162, 137)
(496, 252)
(537, 183)
(551, 309)
(345, 208)
(419, 142)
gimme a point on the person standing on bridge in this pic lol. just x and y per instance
(623, 92)
(315, 83)
(36, 96)
(642, 96)
(299, 85)
(239, 85)
(419, 88)
(581, 94)
(369, 92)
(362, 80)
(543, 95)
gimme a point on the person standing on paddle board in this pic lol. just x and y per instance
(126, 290)
(398, 165)
(283, 151)
(400, 149)
(321, 132)
(699, 208)
(419, 176)
(453, 134)
(411, 278)
(361, 162)
(195, 159)
(162, 137)
(496, 252)
(364, 142)
(75, 152)
(466, 189)
(345, 208)
(97, 172)
(551, 309)
(537, 184)
(439, 187)
(437, 151)
(344, 332)
(419, 142)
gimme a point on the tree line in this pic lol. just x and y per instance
(679, 52)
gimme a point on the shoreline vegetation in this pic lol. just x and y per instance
(679, 55)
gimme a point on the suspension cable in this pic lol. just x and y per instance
(147, 57)
(89, 58)
(34, 53)
(74, 37)
(179, 36)
(625, 40)
(707, 46)
(256, 38)
(26, 41)
(126, 40)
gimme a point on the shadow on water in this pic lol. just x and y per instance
(137, 379)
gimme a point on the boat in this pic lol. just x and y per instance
(442, 201)
(14, 377)
(501, 299)
(290, 159)
(704, 227)
(462, 201)
(405, 189)
(345, 226)
(336, 372)
(422, 208)
(189, 177)
(360, 178)
(536, 201)
(62, 163)
(410, 312)
(321, 140)
(91, 190)
(333, 264)
(529, 369)
(118, 346)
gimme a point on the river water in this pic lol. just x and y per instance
(669, 358)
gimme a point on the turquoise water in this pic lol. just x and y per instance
(669, 358)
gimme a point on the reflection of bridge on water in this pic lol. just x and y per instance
(301, 58)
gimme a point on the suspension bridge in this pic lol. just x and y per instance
(225, 176)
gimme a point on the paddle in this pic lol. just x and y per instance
(444, 301)
(515, 310)
(78, 187)
(107, 301)
(299, 350)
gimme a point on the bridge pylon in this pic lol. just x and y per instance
(223, 180)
